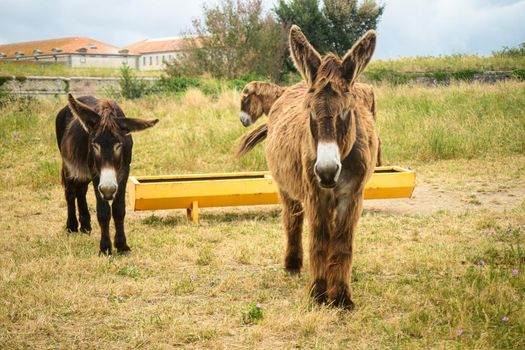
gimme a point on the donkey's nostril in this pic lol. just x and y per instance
(245, 118)
(327, 173)
(107, 191)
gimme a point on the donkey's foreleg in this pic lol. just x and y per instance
(293, 224)
(119, 212)
(319, 220)
(83, 210)
(339, 267)
(70, 192)
(103, 217)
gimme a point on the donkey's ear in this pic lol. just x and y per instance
(356, 60)
(306, 59)
(132, 124)
(87, 117)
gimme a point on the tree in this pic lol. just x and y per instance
(334, 27)
(307, 15)
(236, 38)
(348, 21)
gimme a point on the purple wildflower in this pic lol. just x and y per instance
(258, 305)
(193, 277)
(505, 318)
(120, 297)
(482, 262)
(460, 331)
(515, 272)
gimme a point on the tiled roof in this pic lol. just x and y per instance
(159, 45)
(65, 45)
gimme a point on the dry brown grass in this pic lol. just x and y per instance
(418, 279)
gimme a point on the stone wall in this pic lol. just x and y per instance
(38, 85)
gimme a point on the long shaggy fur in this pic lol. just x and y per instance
(327, 107)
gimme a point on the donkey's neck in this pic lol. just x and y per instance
(270, 96)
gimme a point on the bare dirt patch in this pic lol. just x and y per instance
(427, 199)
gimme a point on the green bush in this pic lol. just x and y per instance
(130, 86)
(4, 79)
(519, 74)
(176, 84)
(465, 74)
(511, 51)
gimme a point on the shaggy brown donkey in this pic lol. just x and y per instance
(258, 98)
(95, 144)
(321, 149)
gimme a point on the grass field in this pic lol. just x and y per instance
(451, 63)
(31, 69)
(450, 275)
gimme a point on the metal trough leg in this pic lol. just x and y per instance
(193, 212)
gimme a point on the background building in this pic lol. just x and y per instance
(74, 52)
(154, 53)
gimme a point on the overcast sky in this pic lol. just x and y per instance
(408, 27)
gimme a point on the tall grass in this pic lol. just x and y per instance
(198, 132)
(451, 63)
(461, 121)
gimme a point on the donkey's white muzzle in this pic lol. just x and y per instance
(108, 183)
(328, 165)
(245, 118)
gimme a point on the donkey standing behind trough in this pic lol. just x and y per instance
(95, 144)
(258, 98)
(321, 149)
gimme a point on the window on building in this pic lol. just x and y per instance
(157, 60)
(150, 60)
(144, 60)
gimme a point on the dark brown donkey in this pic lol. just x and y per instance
(95, 144)
(321, 149)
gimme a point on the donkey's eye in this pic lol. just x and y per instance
(96, 147)
(117, 147)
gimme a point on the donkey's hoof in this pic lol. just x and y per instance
(124, 252)
(292, 271)
(71, 230)
(293, 265)
(106, 252)
(318, 291)
(85, 230)
(344, 301)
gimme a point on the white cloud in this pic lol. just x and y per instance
(408, 27)
(437, 27)
(118, 22)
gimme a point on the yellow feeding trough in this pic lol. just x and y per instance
(235, 189)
